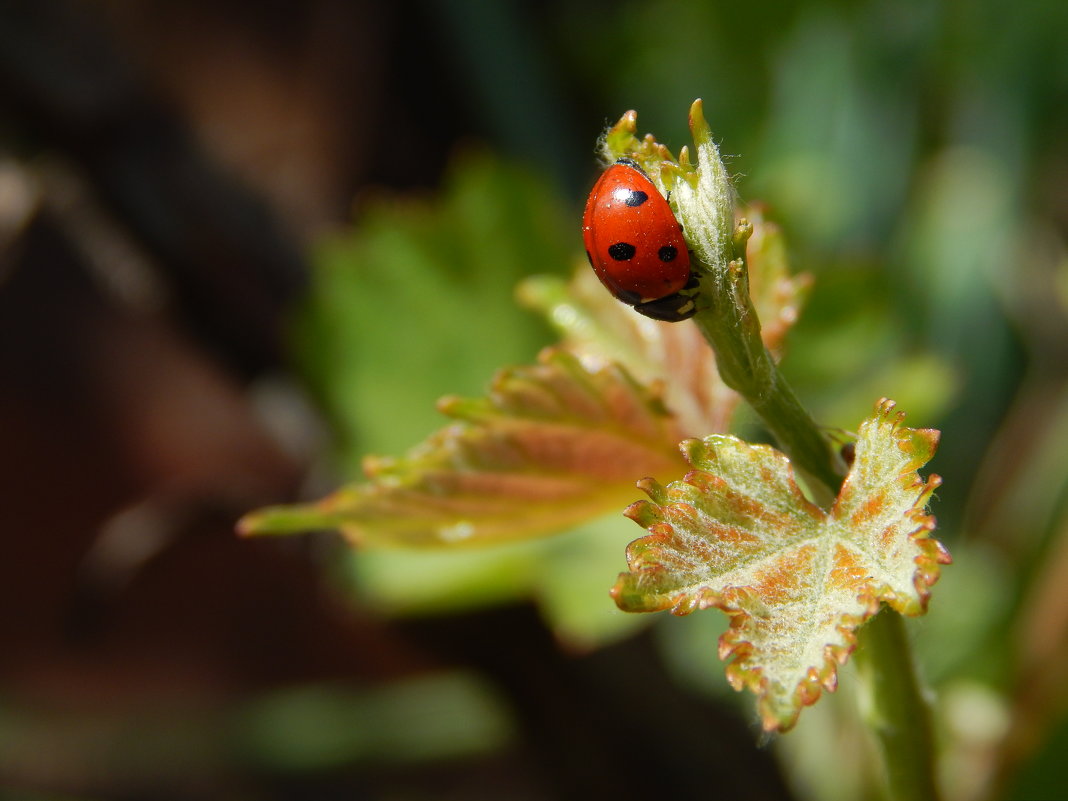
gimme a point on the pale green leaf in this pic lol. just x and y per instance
(737, 533)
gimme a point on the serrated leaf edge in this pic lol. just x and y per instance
(732, 645)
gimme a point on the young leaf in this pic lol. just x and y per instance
(552, 445)
(738, 534)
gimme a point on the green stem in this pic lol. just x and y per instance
(729, 323)
(896, 710)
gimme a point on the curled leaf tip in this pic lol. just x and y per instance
(246, 526)
(698, 126)
(274, 520)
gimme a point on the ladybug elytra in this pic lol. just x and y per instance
(635, 244)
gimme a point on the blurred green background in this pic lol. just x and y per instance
(245, 244)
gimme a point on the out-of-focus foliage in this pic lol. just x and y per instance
(284, 733)
(416, 301)
(437, 717)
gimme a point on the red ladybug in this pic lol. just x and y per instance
(635, 244)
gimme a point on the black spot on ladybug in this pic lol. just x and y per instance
(636, 198)
(667, 253)
(622, 251)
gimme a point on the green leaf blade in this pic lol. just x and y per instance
(550, 446)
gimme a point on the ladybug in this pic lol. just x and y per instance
(635, 244)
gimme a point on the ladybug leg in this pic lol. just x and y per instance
(681, 305)
(672, 309)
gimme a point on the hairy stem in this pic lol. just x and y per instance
(730, 326)
(728, 320)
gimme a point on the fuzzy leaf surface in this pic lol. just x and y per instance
(737, 533)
